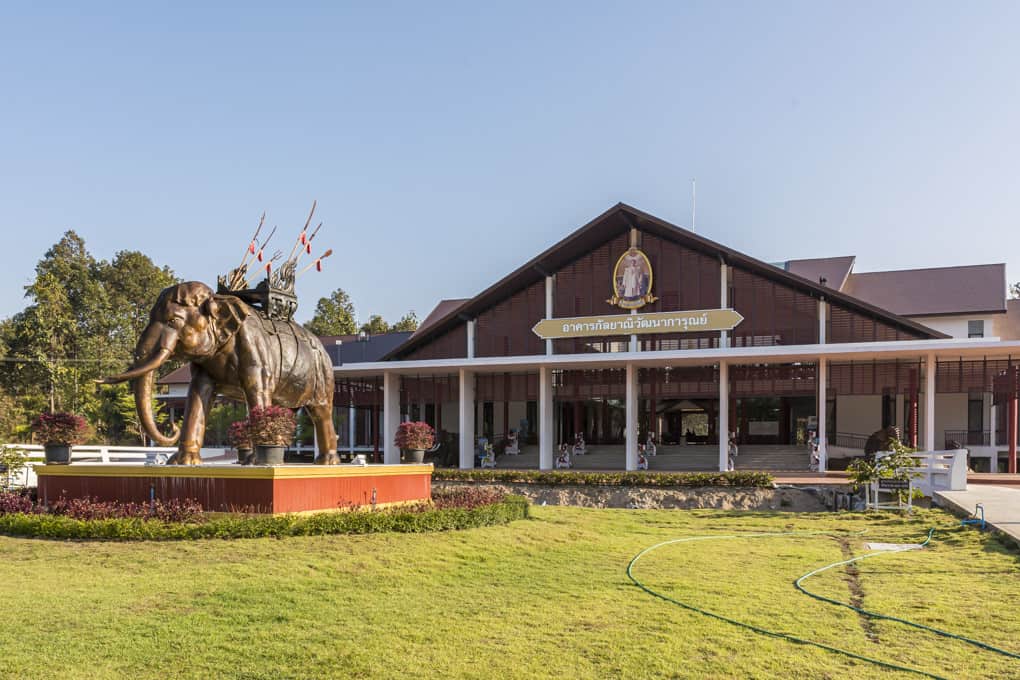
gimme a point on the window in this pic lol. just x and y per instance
(976, 329)
(975, 415)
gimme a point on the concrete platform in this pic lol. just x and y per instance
(222, 488)
(1002, 505)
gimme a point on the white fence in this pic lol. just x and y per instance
(940, 470)
(91, 454)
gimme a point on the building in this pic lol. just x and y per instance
(631, 328)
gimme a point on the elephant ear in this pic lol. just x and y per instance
(227, 313)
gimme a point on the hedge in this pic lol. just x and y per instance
(258, 526)
(647, 479)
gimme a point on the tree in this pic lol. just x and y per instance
(132, 282)
(82, 322)
(334, 315)
(1014, 291)
(65, 322)
(376, 325)
(408, 322)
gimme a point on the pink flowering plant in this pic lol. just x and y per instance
(239, 436)
(60, 429)
(415, 436)
(271, 426)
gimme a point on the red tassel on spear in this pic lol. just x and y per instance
(318, 262)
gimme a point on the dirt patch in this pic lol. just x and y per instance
(852, 577)
(693, 498)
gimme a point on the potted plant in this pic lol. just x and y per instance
(59, 432)
(271, 429)
(415, 437)
(240, 439)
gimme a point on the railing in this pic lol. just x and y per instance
(849, 440)
(93, 453)
(968, 438)
(939, 470)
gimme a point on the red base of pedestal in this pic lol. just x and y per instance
(223, 488)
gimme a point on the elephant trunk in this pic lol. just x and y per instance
(143, 404)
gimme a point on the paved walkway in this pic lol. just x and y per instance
(1002, 505)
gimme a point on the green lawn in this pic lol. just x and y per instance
(546, 597)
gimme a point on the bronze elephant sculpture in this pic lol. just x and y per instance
(880, 440)
(235, 351)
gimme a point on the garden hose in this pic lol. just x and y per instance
(797, 583)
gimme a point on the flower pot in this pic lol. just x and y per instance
(245, 456)
(269, 455)
(417, 456)
(58, 454)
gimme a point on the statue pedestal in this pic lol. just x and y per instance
(225, 488)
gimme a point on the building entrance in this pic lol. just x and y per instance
(774, 420)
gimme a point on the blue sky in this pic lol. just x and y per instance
(447, 143)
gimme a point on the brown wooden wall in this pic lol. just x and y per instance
(774, 314)
(971, 376)
(844, 325)
(505, 329)
(875, 377)
(582, 288)
(429, 389)
(683, 279)
(450, 345)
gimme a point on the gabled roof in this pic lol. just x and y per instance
(620, 219)
(176, 376)
(441, 310)
(834, 270)
(970, 289)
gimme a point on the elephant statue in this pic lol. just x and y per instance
(235, 351)
(880, 440)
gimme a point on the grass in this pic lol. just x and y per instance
(545, 597)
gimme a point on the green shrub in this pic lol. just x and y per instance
(648, 479)
(259, 526)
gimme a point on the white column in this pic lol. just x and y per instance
(724, 289)
(546, 432)
(633, 338)
(549, 309)
(631, 420)
(929, 403)
(471, 339)
(822, 403)
(821, 321)
(351, 427)
(724, 416)
(466, 416)
(391, 417)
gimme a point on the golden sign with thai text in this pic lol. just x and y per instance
(690, 321)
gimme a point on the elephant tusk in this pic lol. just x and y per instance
(138, 371)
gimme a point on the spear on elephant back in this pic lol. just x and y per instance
(317, 263)
(237, 275)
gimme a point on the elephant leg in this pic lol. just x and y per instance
(256, 388)
(196, 408)
(322, 418)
